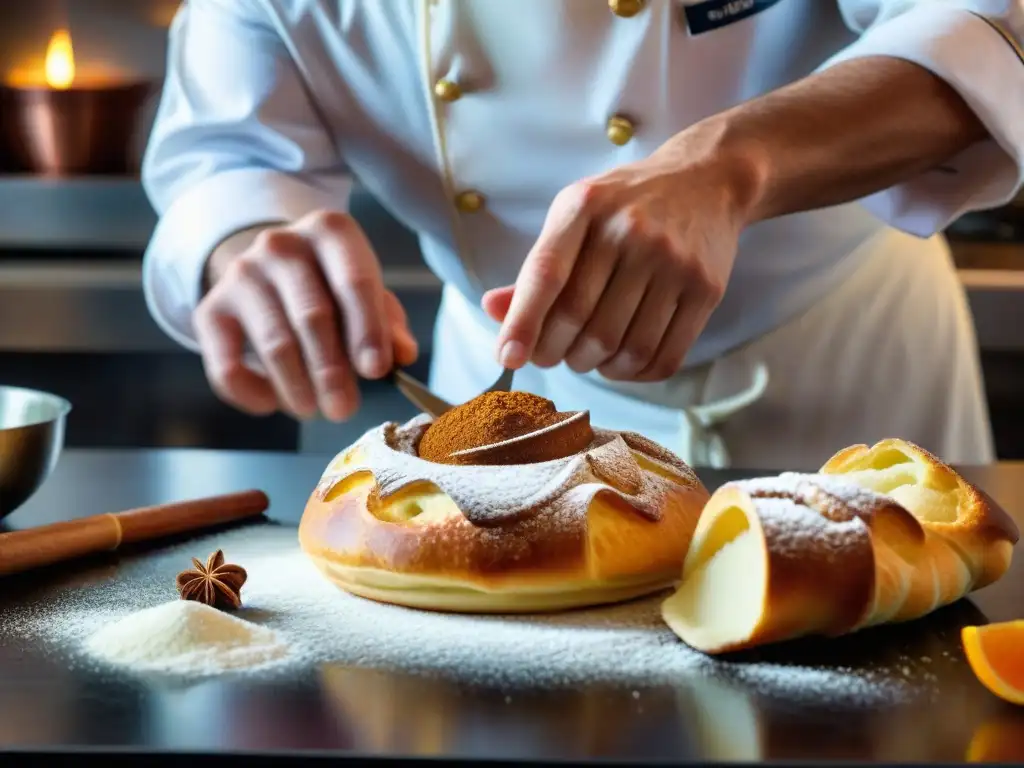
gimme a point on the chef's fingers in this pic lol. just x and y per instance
(496, 302)
(690, 317)
(702, 292)
(406, 348)
(643, 338)
(602, 336)
(577, 301)
(311, 311)
(355, 277)
(271, 335)
(222, 346)
(543, 275)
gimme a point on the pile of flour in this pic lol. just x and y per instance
(293, 618)
(185, 638)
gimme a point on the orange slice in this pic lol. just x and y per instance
(996, 655)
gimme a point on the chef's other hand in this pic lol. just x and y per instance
(309, 300)
(628, 267)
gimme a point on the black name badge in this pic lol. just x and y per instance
(712, 14)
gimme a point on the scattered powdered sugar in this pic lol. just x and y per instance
(627, 644)
(185, 638)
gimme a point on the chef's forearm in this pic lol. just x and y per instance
(839, 135)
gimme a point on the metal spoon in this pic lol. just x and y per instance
(419, 395)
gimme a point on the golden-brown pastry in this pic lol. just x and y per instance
(881, 534)
(609, 523)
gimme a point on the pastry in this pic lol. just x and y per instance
(610, 520)
(881, 534)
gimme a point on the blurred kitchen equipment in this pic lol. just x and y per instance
(31, 440)
(1004, 224)
(62, 122)
(418, 394)
(75, 131)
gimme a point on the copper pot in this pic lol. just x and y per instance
(81, 130)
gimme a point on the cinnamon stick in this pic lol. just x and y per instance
(59, 542)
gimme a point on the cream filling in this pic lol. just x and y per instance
(722, 598)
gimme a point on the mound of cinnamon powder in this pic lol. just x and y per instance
(495, 417)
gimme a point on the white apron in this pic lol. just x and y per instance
(891, 353)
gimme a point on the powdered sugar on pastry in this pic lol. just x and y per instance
(833, 497)
(495, 495)
(793, 528)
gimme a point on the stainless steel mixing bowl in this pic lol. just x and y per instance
(31, 439)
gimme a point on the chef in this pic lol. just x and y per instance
(712, 222)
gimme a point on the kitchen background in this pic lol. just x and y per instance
(72, 315)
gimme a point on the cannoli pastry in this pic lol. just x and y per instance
(881, 534)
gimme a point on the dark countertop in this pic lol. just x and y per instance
(45, 705)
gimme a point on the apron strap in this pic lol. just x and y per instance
(700, 439)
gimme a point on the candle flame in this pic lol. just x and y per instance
(60, 61)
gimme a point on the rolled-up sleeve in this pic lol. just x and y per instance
(975, 46)
(236, 143)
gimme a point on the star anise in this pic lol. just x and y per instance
(217, 583)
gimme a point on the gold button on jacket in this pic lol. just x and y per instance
(626, 8)
(446, 90)
(469, 201)
(620, 130)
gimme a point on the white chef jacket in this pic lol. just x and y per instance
(270, 107)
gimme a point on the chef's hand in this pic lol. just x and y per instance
(309, 300)
(626, 272)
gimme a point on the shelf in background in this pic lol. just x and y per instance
(991, 256)
(91, 213)
(77, 305)
(94, 219)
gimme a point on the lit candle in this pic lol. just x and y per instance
(60, 72)
(67, 120)
(59, 67)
